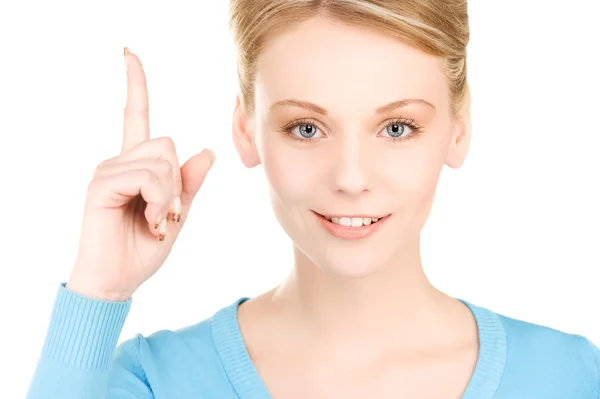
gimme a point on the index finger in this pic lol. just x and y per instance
(136, 126)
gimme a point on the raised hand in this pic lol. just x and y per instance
(136, 204)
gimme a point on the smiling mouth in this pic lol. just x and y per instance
(352, 220)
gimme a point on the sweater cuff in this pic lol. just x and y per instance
(84, 331)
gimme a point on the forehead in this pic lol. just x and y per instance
(345, 68)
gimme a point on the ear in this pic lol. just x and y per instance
(243, 136)
(461, 137)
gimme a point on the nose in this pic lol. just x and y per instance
(349, 172)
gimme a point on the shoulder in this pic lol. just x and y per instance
(197, 340)
(539, 358)
(543, 343)
(187, 355)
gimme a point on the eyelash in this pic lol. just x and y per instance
(415, 129)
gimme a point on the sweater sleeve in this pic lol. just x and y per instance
(596, 352)
(80, 357)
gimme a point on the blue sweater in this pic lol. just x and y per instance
(80, 358)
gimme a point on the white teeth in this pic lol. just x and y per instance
(357, 222)
(346, 222)
(353, 222)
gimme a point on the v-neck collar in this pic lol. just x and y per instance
(248, 384)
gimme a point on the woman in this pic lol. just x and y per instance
(352, 107)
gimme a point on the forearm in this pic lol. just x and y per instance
(79, 347)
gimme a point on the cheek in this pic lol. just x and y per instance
(414, 175)
(423, 184)
(292, 173)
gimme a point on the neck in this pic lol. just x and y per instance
(395, 305)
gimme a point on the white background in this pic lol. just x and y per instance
(516, 229)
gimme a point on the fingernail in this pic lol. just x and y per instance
(175, 211)
(162, 230)
(125, 53)
(163, 216)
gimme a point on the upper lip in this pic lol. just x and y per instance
(359, 215)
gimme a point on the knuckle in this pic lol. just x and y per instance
(92, 185)
(98, 170)
(149, 175)
(144, 113)
(167, 143)
(101, 167)
(129, 113)
(164, 167)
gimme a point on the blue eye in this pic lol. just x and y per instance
(308, 130)
(396, 129)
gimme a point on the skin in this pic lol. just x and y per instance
(354, 308)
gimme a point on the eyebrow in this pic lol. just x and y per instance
(316, 108)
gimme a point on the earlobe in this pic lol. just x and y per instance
(243, 137)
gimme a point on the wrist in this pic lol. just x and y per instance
(93, 292)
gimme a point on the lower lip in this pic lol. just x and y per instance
(349, 232)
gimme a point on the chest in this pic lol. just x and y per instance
(439, 377)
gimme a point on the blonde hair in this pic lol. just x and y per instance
(437, 27)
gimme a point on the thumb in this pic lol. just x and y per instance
(193, 173)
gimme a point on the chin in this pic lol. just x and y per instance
(348, 261)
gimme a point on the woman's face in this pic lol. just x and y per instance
(341, 159)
